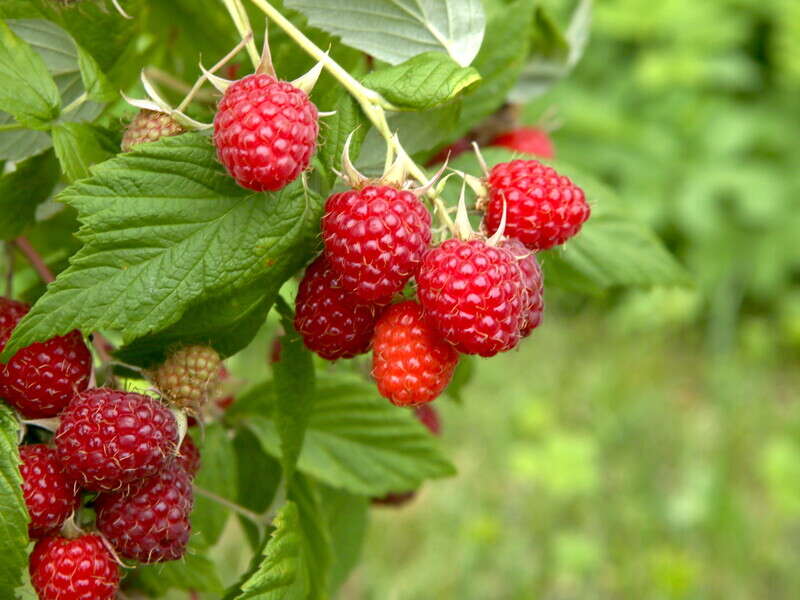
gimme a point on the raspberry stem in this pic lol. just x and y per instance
(255, 518)
(372, 103)
(242, 22)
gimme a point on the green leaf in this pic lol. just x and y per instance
(164, 228)
(77, 148)
(295, 389)
(193, 572)
(355, 439)
(14, 521)
(27, 90)
(22, 190)
(349, 119)
(97, 86)
(281, 574)
(548, 40)
(347, 521)
(394, 30)
(422, 82)
(217, 475)
(258, 477)
(500, 61)
(463, 375)
(316, 538)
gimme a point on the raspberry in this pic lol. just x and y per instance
(49, 496)
(189, 456)
(410, 362)
(149, 126)
(265, 132)
(189, 376)
(334, 323)
(534, 283)
(41, 379)
(79, 569)
(150, 521)
(543, 208)
(530, 140)
(374, 238)
(108, 439)
(473, 294)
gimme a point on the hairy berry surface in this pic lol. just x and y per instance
(189, 456)
(265, 132)
(73, 569)
(108, 438)
(534, 285)
(41, 379)
(543, 209)
(374, 238)
(410, 362)
(49, 496)
(149, 522)
(149, 126)
(334, 322)
(473, 294)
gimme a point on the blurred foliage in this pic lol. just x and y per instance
(687, 110)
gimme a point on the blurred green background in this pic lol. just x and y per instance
(643, 444)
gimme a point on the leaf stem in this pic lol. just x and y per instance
(36, 261)
(248, 514)
(371, 102)
(11, 126)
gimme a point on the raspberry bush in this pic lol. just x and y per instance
(161, 220)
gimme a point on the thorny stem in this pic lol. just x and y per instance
(371, 102)
(248, 514)
(242, 22)
(46, 275)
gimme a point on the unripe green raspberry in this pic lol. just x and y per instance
(149, 126)
(189, 376)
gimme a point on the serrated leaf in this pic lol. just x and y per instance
(499, 62)
(316, 538)
(281, 574)
(77, 149)
(217, 475)
(422, 82)
(27, 90)
(22, 190)
(295, 390)
(396, 30)
(347, 521)
(164, 227)
(192, 572)
(355, 439)
(97, 86)
(14, 521)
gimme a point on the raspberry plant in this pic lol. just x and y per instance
(163, 216)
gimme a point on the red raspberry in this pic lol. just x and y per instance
(49, 496)
(534, 284)
(374, 238)
(530, 140)
(79, 569)
(334, 323)
(189, 456)
(429, 417)
(265, 132)
(108, 438)
(543, 208)
(149, 126)
(41, 379)
(410, 361)
(150, 521)
(473, 294)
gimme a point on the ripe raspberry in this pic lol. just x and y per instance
(149, 126)
(189, 456)
(41, 379)
(530, 140)
(189, 376)
(410, 362)
(79, 569)
(374, 238)
(265, 132)
(150, 521)
(534, 284)
(334, 323)
(473, 294)
(544, 209)
(50, 497)
(108, 438)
